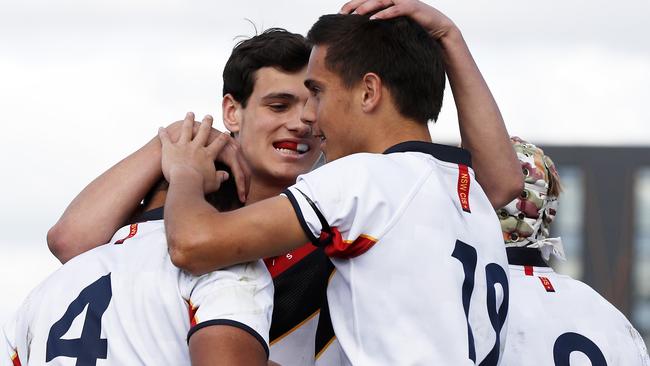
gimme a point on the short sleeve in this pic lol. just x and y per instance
(343, 206)
(640, 345)
(239, 296)
(8, 344)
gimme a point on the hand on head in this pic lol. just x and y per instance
(436, 23)
(195, 150)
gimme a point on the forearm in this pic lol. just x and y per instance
(106, 203)
(482, 129)
(199, 237)
(202, 239)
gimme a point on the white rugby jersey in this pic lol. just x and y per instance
(556, 320)
(421, 270)
(125, 303)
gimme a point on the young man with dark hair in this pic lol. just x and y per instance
(263, 97)
(553, 317)
(421, 272)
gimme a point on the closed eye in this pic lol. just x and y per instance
(279, 107)
(314, 91)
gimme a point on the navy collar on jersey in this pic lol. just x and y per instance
(151, 215)
(520, 256)
(446, 153)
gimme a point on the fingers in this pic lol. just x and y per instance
(349, 7)
(220, 176)
(203, 133)
(388, 13)
(242, 178)
(186, 128)
(217, 145)
(227, 151)
(234, 159)
(363, 7)
(163, 135)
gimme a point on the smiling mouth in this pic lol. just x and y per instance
(289, 147)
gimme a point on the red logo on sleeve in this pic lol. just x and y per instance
(463, 187)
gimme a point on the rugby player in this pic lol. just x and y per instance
(553, 317)
(125, 303)
(373, 85)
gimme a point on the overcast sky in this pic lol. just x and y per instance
(84, 83)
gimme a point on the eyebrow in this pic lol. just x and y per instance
(279, 96)
(310, 83)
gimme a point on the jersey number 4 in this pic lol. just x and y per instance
(494, 274)
(90, 346)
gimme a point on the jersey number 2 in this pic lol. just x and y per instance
(89, 347)
(494, 274)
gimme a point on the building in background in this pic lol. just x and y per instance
(604, 222)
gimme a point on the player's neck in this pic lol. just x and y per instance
(394, 131)
(157, 200)
(261, 189)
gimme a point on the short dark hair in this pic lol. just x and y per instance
(275, 47)
(408, 61)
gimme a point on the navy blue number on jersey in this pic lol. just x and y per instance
(89, 347)
(494, 274)
(574, 342)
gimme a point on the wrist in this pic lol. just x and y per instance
(185, 175)
(451, 37)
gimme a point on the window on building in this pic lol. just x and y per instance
(641, 256)
(569, 221)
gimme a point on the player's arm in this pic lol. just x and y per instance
(482, 129)
(225, 345)
(110, 200)
(202, 239)
(105, 204)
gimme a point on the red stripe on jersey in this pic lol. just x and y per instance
(548, 286)
(133, 230)
(528, 270)
(463, 187)
(191, 311)
(340, 248)
(279, 264)
(15, 360)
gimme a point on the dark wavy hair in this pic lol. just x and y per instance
(275, 47)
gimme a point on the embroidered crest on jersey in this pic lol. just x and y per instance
(463, 187)
(132, 231)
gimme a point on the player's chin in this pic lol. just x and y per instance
(290, 171)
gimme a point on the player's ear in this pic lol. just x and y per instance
(371, 88)
(231, 111)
